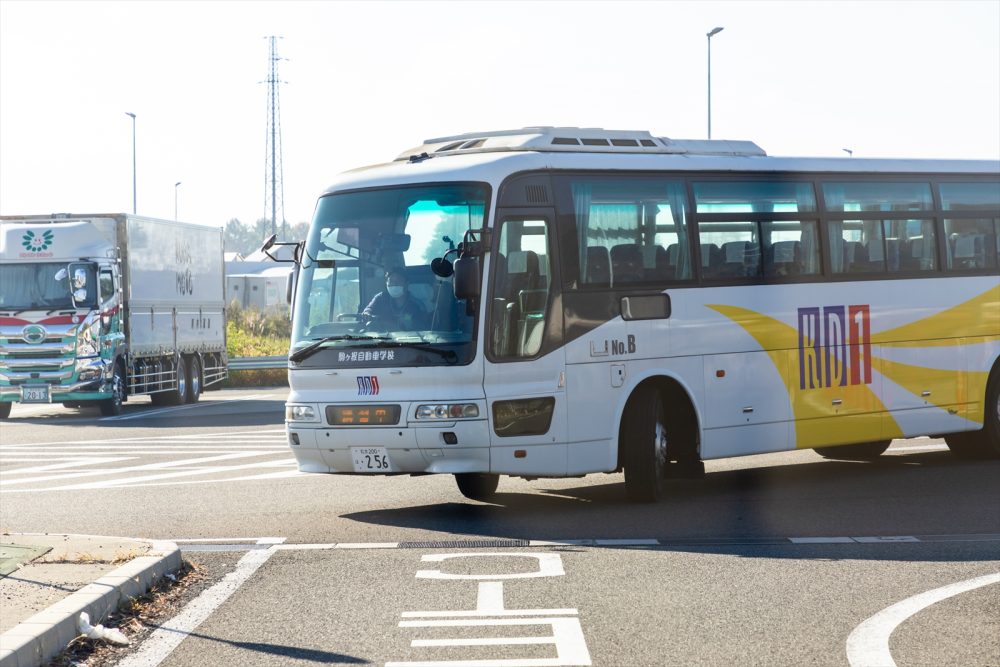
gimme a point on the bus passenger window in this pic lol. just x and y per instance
(624, 227)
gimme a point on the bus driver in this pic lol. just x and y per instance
(395, 309)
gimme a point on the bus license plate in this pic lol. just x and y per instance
(371, 459)
(37, 394)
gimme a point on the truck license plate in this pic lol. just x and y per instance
(36, 394)
(371, 459)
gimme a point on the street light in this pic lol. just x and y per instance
(175, 199)
(134, 209)
(849, 152)
(715, 31)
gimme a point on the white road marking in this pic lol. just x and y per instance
(137, 481)
(172, 457)
(170, 634)
(150, 439)
(918, 448)
(868, 644)
(189, 406)
(146, 466)
(73, 463)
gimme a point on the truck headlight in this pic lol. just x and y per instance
(88, 340)
(300, 413)
(448, 411)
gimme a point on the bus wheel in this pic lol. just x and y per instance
(5, 410)
(477, 486)
(984, 443)
(111, 407)
(644, 437)
(194, 379)
(863, 451)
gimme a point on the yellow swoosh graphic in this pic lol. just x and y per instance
(858, 414)
(979, 316)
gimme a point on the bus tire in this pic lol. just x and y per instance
(644, 438)
(5, 410)
(111, 407)
(194, 378)
(863, 451)
(984, 443)
(477, 486)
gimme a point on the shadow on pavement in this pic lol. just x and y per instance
(746, 510)
(307, 654)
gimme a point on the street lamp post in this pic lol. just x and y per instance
(132, 115)
(175, 199)
(714, 31)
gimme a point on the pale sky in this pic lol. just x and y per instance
(366, 80)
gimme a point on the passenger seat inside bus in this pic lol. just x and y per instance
(521, 299)
(712, 260)
(740, 260)
(783, 259)
(598, 270)
(969, 251)
(626, 264)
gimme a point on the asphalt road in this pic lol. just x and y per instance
(770, 560)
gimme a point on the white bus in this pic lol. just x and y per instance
(620, 301)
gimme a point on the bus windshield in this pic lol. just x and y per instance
(366, 295)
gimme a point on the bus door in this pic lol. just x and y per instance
(525, 361)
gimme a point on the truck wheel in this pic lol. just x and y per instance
(194, 378)
(177, 394)
(984, 443)
(863, 451)
(477, 486)
(111, 407)
(5, 410)
(644, 438)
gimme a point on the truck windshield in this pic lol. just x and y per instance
(43, 286)
(366, 295)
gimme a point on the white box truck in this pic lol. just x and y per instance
(97, 308)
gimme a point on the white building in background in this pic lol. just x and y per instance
(257, 281)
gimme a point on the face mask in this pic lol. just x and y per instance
(395, 291)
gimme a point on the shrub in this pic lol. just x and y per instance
(251, 333)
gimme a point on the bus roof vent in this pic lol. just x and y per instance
(578, 140)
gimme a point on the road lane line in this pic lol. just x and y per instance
(140, 481)
(868, 644)
(916, 448)
(148, 439)
(200, 404)
(170, 634)
(76, 462)
(147, 466)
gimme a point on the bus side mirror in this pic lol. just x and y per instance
(466, 278)
(290, 280)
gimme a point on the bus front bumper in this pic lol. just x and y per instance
(449, 447)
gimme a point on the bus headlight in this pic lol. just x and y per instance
(300, 413)
(448, 411)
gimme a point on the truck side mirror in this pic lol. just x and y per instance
(466, 278)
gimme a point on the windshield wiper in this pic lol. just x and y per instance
(311, 348)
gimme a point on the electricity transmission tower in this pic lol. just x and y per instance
(274, 175)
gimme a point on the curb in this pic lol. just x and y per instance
(44, 635)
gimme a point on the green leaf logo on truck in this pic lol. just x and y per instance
(35, 243)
